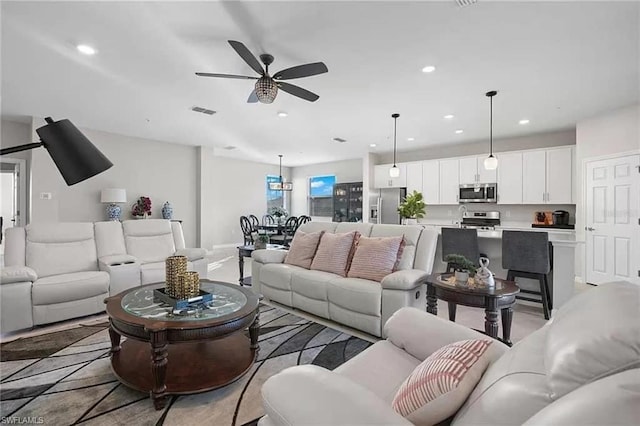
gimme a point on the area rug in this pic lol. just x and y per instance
(65, 377)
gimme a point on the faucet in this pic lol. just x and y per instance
(461, 210)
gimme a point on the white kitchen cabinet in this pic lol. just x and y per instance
(414, 177)
(431, 182)
(449, 181)
(559, 176)
(381, 178)
(510, 178)
(472, 171)
(534, 185)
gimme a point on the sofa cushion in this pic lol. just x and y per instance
(109, 238)
(318, 226)
(411, 234)
(302, 248)
(156, 272)
(594, 335)
(69, 287)
(149, 240)
(61, 248)
(355, 294)
(442, 382)
(363, 229)
(334, 253)
(278, 275)
(375, 258)
(310, 283)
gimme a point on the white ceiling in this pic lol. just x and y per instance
(553, 63)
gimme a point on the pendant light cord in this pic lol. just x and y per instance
(395, 127)
(280, 168)
(491, 129)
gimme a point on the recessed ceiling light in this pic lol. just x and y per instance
(411, 139)
(525, 121)
(372, 145)
(459, 131)
(85, 49)
(429, 68)
(448, 116)
(282, 114)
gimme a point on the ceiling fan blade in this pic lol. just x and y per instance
(298, 91)
(242, 77)
(300, 71)
(253, 98)
(248, 57)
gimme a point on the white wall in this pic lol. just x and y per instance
(161, 171)
(230, 188)
(345, 171)
(13, 133)
(617, 132)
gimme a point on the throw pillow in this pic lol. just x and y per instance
(375, 258)
(334, 253)
(438, 387)
(302, 248)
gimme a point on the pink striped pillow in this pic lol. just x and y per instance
(439, 386)
(375, 258)
(334, 253)
(303, 248)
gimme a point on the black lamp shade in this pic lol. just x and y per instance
(75, 156)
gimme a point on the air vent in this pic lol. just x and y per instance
(203, 110)
(229, 147)
(339, 140)
(463, 3)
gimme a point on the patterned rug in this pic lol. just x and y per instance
(65, 377)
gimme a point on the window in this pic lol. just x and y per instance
(321, 195)
(274, 197)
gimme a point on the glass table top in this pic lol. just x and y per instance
(226, 300)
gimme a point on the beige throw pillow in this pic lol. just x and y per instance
(302, 248)
(438, 387)
(334, 253)
(375, 258)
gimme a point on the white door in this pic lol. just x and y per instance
(12, 195)
(449, 186)
(612, 220)
(431, 182)
(534, 177)
(510, 178)
(414, 177)
(484, 175)
(559, 176)
(468, 170)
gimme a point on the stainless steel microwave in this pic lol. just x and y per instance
(478, 193)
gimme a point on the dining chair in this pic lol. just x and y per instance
(302, 220)
(245, 226)
(255, 223)
(267, 219)
(289, 229)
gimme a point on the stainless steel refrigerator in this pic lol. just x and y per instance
(388, 202)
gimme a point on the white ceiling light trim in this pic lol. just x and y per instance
(449, 116)
(85, 49)
(459, 131)
(428, 69)
(524, 121)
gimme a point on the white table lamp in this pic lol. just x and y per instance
(112, 196)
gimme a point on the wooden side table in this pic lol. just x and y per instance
(499, 298)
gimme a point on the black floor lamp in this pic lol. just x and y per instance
(75, 156)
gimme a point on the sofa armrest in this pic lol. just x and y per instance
(17, 274)
(308, 394)
(421, 334)
(106, 262)
(269, 256)
(192, 253)
(407, 279)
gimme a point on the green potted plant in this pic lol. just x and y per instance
(412, 208)
(261, 241)
(464, 268)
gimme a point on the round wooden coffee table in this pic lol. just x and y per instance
(499, 298)
(190, 352)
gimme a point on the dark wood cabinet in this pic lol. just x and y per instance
(347, 202)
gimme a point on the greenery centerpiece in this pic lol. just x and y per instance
(464, 268)
(279, 212)
(412, 208)
(261, 241)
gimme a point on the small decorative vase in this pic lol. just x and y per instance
(114, 211)
(260, 245)
(167, 211)
(462, 277)
(484, 277)
(410, 221)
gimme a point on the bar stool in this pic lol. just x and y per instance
(463, 241)
(527, 255)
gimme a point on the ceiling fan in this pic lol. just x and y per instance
(266, 87)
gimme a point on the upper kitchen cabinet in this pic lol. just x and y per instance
(381, 178)
(431, 181)
(510, 178)
(449, 181)
(414, 177)
(472, 171)
(547, 176)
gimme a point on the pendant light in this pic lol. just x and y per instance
(491, 162)
(280, 185)
(394, 171)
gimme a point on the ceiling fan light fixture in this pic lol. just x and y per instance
(266, 90)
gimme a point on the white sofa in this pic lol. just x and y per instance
(58, 271)
(581, 368)
(362, 304)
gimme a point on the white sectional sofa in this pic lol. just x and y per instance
(58, 271)
(362, 304)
